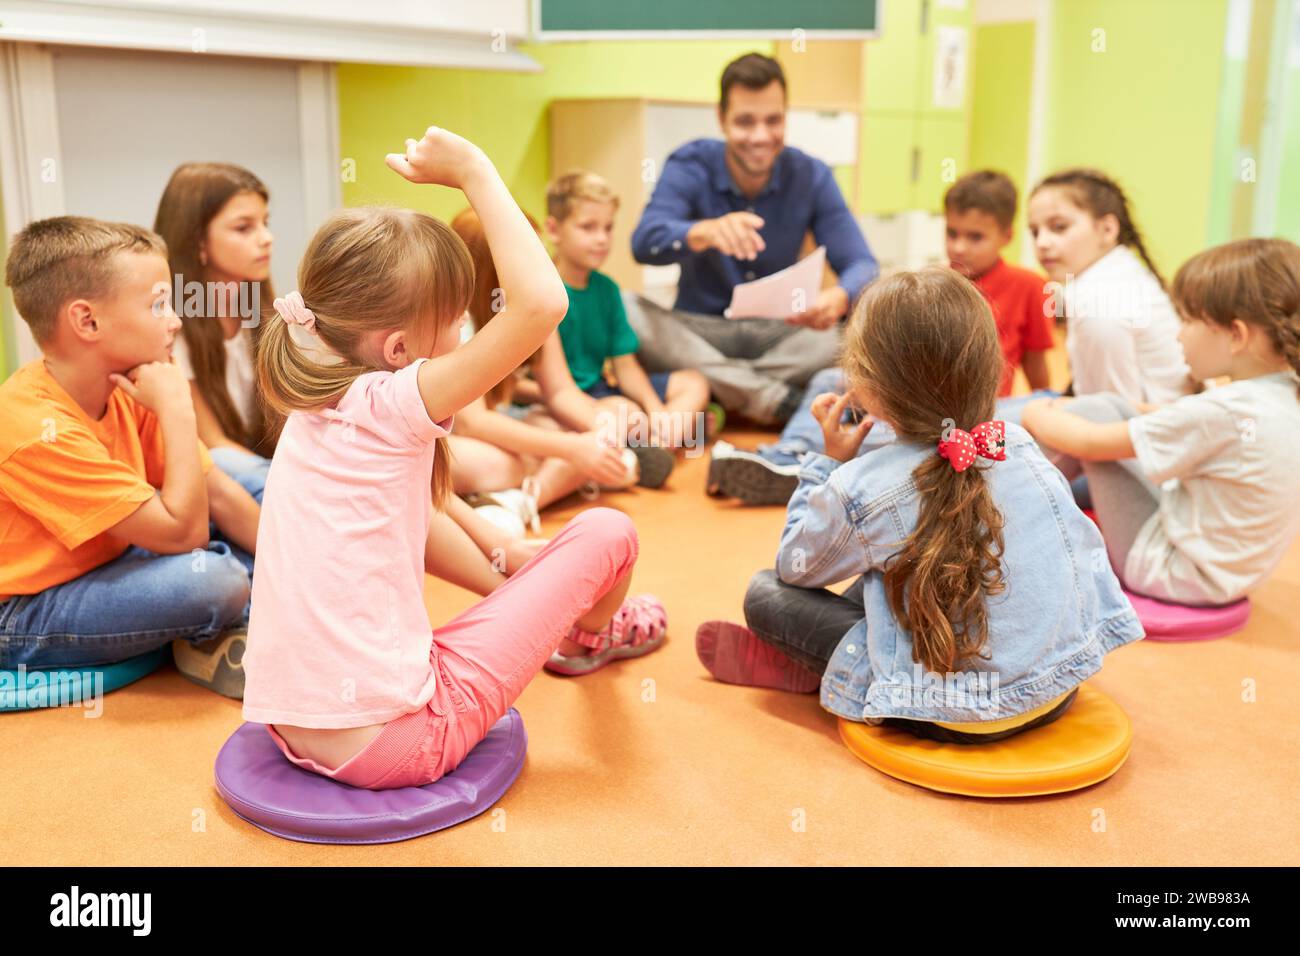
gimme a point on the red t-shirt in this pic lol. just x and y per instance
(1021, 306)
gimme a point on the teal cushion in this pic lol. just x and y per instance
(52, 686)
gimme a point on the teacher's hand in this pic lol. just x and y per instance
(825, 311)
(735, 234)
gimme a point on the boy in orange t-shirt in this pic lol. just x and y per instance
(105, 490)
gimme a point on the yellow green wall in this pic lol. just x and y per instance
(1004, 68)
(506, 113)
(1143, 110)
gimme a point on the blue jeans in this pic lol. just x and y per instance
(139, 601)
(802, 433)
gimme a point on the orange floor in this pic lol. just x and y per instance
(652, 762)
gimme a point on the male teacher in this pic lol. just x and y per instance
(731, 211)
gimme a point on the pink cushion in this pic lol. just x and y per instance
(1179, 622)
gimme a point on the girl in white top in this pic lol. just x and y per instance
(1196, 500)
(215, 220)
(1122, 331)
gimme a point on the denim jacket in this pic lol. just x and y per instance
(1061, 611)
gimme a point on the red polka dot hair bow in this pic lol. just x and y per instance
(987, 440)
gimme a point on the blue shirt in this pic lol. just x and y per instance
(1061, 612)
(801, 195)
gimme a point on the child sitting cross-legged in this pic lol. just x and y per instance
(978, 605)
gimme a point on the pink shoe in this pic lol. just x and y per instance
(637, 628)
(732, 653)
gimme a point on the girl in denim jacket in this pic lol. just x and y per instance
(983, 595)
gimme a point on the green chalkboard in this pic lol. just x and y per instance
(597, 19)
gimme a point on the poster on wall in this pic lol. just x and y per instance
(950, 67)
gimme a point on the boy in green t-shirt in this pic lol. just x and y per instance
(651, 413)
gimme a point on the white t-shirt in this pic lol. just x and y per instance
(241, 377)
(1228, 461)
(1122, 332)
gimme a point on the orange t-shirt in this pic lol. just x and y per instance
(65, 479)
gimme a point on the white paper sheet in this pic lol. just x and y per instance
(781, 294)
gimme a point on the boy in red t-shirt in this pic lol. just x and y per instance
(980, 208)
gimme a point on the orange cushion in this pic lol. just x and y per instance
(1085, 745)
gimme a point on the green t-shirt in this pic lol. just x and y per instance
(595, 329)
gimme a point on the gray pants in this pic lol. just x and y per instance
(807, 624)
(752, 365)
(1122, 496)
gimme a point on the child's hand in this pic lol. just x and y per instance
(441, 158)
(600, 462)
(842, 443)
(158, 386)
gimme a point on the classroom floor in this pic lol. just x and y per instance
(652, 762)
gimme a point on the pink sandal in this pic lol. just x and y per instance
(638, 627)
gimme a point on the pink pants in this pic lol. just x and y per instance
(487, 655)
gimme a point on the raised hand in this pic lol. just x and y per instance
(440, 158)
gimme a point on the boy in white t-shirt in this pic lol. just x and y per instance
(1196, 499)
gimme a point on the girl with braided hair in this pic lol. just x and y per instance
(1196, 500)
(1121, 332)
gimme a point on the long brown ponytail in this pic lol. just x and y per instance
(926, 345)
(367, 269)
(1099, 195)
(193, 197)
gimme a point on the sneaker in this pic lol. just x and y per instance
(631, 476)
(655, 464)
(503, 518)
(736, 655)
(217, 663)
(751, 478)
(518, 504)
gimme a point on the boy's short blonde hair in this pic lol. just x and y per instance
(565, 192)
(68, 257)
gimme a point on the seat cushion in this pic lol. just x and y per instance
(268, 791)
(55, 686)
(1179, 622)
(1085, 745)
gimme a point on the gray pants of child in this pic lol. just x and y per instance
(1122, 496)
(807, 624)
(755, 367)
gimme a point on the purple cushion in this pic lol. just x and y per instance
(1179, 622)
(270, 792)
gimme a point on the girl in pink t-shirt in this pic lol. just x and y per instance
(341, 664)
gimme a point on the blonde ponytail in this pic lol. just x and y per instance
(368, 269)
